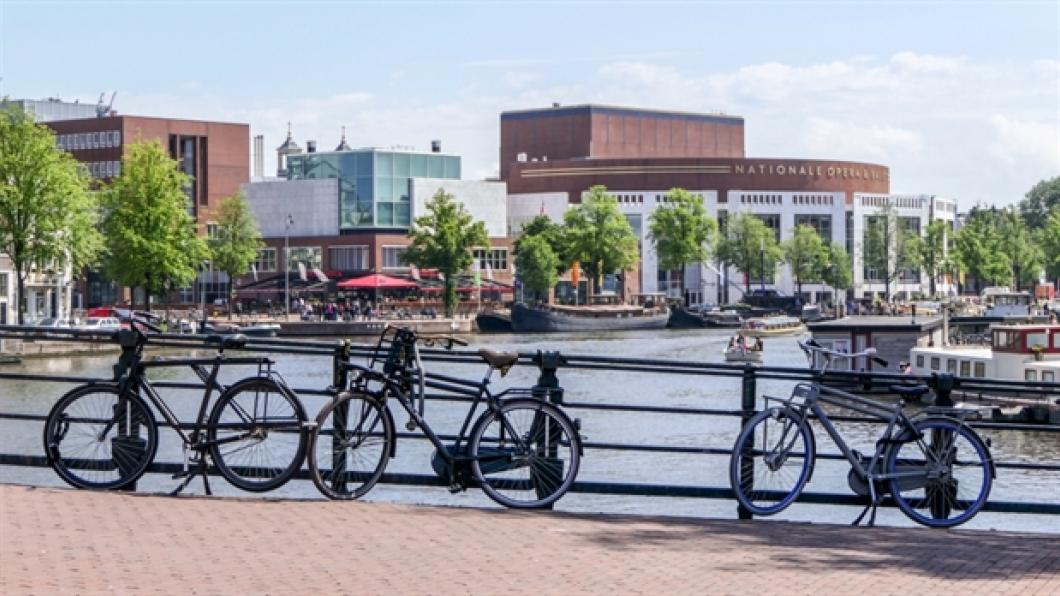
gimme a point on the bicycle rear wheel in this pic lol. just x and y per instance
(96, 438)
(945, 477)
(771, 461)
(525, 454)
(256, 435)
(350, 446)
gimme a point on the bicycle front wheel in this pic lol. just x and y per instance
(350, 446)
(525, 454)
(771, 461)
(256, 435)
(943, 478)
(96, 438)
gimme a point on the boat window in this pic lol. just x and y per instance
(1005, 339)
(920, 361)
(1037, 338)
(1048, 376)
(934, 363)
(951, 366)
(966, 368)
(1056, 340)
(980, 369)
(1030, 375)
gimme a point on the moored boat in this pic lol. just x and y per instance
(587, 318)
(1021, 352)
(772, 326)
(493, 322)
(684, 318)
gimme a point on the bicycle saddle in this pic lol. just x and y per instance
(501, 360)
(228, 341)
(910, 391)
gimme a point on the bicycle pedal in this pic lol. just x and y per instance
(456, 487)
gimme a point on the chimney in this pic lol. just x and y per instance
(436, 146)
(259, 156)
(310, 146)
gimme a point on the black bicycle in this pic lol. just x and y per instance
(104, 435)
(522, 451)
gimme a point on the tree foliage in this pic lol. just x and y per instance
(932, 254)
(537, 264)
(748, 244)
(805, 253)
(1040, 201)
(150, 237)
(442, 239)
(889, 247)
(1049, 240)
(552, 233)
(597, 235)
(980, 248)
(836, 269)
(48, 217)
(1025, 258)
(234, 246)
(681, 231)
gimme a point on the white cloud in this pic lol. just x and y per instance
(883, 144)
(1019, 140)
(520, 79)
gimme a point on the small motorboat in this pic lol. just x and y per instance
(742, 349)
(771, 326)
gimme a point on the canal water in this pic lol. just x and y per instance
(581, 386)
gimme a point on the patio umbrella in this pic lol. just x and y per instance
(376, 281)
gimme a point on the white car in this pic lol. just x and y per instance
(53, 323)
(100, 324)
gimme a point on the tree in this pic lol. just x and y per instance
(48, 217)
(751, 246)
(1025, 257)
(150, 238)
(681, 231)
(889, 246)
(552, 233)
(804, 252)
(835, 268)
(1049, 240)
(537, 264)
(234, 246)
(980, 250)
(442, 239)
(1040, 201)
(932, 255)
(597, 235)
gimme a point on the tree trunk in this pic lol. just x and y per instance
(932, 286)
(684, 297)
(21, 293)
(450, 296)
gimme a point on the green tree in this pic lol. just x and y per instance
(537, 264)
(48, 217)
(442, 239)
(889, 246)
(151, 240)
(552, 233)
(804, 252)
(751, 246)
(234, 246)
(932, 255)
(681, 231)
(835, 268)
(1040, 201)
(597, 235)
(1049, 240)
(979, 248)
(1025, 258)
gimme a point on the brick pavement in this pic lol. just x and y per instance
(66, 541)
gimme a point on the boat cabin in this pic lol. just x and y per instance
(893, 337)
(1016, 353)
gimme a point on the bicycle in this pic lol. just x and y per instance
(104, 435)
(935, 467)
(522, 451)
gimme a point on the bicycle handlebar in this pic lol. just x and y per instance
(810, 346)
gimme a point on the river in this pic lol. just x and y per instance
(581, 386)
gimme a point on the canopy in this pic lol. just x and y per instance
(376, 281)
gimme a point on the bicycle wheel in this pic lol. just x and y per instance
(525, 454)
(96, 438)
(256, 436)
(945, 476)
(771, 461)
(350, 446)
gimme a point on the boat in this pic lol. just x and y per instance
(738, 351)
(528, 319)
(772, 326)
(493, 322)
(1016, 352)
(683, 318)
(255, 330)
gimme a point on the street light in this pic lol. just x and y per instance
(202, 294)
(762, 248)
(287, 225)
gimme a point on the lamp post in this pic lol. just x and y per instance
(762, 253)
(287, 224)
(202, 295)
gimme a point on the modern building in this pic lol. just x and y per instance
(53, 108)
(551, 157)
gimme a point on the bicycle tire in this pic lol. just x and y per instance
(92, 442)
(764, 462)
(267, 425)
(551, 455)
(370, 441)
(930, 500)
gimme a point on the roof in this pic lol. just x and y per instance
(877, 323)
(618, 111)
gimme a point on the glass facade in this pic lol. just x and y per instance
(373, 183)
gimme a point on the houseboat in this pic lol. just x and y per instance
(772, 326)
(1017, 352)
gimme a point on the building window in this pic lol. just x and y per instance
(306, 255)
(494, 258)
(392, 257)
(266, 262)
(822, 224)
(348, 258)
(211, 230)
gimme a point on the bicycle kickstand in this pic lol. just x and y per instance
(873, 504)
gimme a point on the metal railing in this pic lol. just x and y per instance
(552, 366)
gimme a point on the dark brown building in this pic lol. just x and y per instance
(602, 132)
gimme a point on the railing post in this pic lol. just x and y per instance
(339, 372)
(547, 381)
(339, 379)
(943, 384)
(747, 405)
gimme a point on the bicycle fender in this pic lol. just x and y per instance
(906, 436)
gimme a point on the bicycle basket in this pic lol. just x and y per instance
(802, 393)
(394, 350)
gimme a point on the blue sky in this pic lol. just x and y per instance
(960, 99)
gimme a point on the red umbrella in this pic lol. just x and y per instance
(376, 281)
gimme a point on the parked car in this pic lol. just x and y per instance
(54, 323)
(100, 324)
